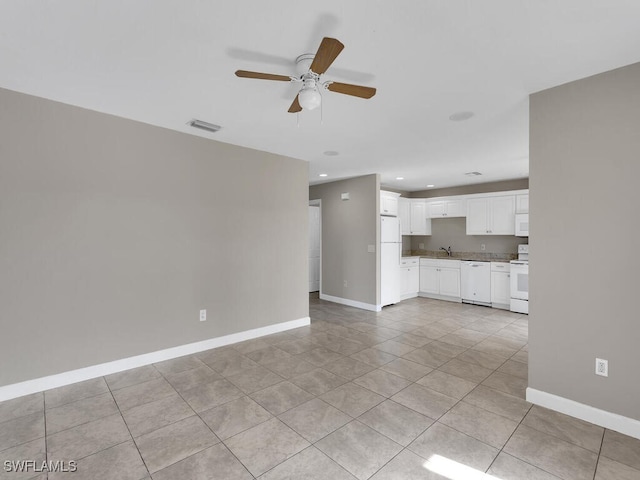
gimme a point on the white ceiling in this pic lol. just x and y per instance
(165, 62)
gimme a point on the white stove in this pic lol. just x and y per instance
(520, 281)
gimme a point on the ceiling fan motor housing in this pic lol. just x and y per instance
(303, 63)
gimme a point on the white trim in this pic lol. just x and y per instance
(501, 306)
(15, 390)
(612, 421)
(407, 296)
(318, 203)
(440, 297)
(351, 303)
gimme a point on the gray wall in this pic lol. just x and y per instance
(518, 184)
(347, 228)
(114, 234)
(452, 232)
(584, 198)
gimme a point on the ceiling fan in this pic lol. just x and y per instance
(310, 68)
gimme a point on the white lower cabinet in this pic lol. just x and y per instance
(500, 285)
(429, 279)
(409, 277)
(440, 279)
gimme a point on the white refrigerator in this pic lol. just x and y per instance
(390, 250)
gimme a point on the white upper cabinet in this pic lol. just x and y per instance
(486, 213)
(413, 216)
(404, 213)
(478, 216)
(389, 203)
(522, 203)
(420, 224)
(491, 215)
(454, 207)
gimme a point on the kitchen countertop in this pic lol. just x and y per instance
(473, 256)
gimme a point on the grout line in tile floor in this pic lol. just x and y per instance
(133, 440)
(507, 441)
(208, 426)
(595, 472)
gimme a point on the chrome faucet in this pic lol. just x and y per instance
(448, 250)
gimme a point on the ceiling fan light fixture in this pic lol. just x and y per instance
(309, 98)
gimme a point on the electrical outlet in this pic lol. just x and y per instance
(421, 246)
(203, 315)
(483, 247)
(602, 367)
(346, 284)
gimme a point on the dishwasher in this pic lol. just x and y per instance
(475, 282)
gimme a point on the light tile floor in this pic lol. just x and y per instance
(425, 389)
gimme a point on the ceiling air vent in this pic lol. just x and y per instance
(209, 127)
(472, 174)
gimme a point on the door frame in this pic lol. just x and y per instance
(318, 203)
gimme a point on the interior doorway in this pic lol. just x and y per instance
(315, 245)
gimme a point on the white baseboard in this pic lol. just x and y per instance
(612, 421)
(501, 306)
(408, 296)
(15, 390)
(440, 297)
(351, 303)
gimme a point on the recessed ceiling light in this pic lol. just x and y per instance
(430, 186)
(399, 178)
(322, 175)
(461, 116)
(331, 153)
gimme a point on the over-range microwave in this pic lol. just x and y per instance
(522, 224)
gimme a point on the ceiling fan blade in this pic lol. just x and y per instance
(295, 106)
(327, 52)
(262, 76)
(353, 90)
